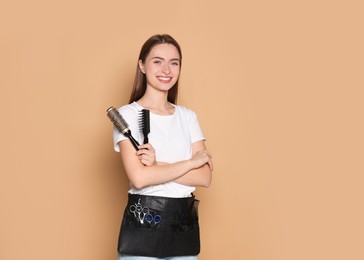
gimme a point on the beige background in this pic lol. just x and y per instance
(277, 85)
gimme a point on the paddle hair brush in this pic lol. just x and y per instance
(121, 125)
(144, 124)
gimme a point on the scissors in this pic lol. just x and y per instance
(137, 208)
(149, 218)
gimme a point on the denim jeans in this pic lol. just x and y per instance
(130, 257)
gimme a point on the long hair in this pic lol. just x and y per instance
(140, 81)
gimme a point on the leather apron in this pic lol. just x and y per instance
(160, 227)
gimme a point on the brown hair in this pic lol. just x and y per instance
(140, 81)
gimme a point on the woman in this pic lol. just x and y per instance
(161, 218)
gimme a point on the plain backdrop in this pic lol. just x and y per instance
(278, 89)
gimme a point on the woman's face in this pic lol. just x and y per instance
(161, 67)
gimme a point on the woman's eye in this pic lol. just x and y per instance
(175, 63)
(156, 61)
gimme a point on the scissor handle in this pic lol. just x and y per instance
(157, 219)
(149, 218)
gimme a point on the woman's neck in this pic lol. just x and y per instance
(157, 104)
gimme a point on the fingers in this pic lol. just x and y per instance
(146, 162)
(209, 163)
(146, 146)
(146, 154)
(145, 149)
(201, 158)
(147, 159)
(209, 154)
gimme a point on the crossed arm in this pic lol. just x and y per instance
(142, 169)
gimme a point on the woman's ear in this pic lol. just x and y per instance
(141, 66)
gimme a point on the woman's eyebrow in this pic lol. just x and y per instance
(160, 58)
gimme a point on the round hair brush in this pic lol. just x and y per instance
(144, 124)
(121, 125)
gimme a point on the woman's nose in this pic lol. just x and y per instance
(165, 69)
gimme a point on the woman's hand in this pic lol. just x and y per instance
(201, 158)
(146, 154)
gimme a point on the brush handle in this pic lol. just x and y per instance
(133, 141)
(146, 139)
(121, 125)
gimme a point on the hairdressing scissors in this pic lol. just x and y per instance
(137, 208)
(149, 218)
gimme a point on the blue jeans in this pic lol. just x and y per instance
(130, 257)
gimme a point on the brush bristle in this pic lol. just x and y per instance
(144, 123)
(117, 120)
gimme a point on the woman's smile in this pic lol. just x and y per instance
(164, 79)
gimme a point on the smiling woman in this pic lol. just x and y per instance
(161, 68)
(160, 219)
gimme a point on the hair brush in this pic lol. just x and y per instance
(121, 125)
(144, 124)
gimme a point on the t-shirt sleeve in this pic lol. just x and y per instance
(195, 128)
(130, 115)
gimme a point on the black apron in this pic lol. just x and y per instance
(160, 227)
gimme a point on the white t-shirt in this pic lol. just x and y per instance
(171, 136)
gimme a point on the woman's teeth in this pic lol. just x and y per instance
(164, 78)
